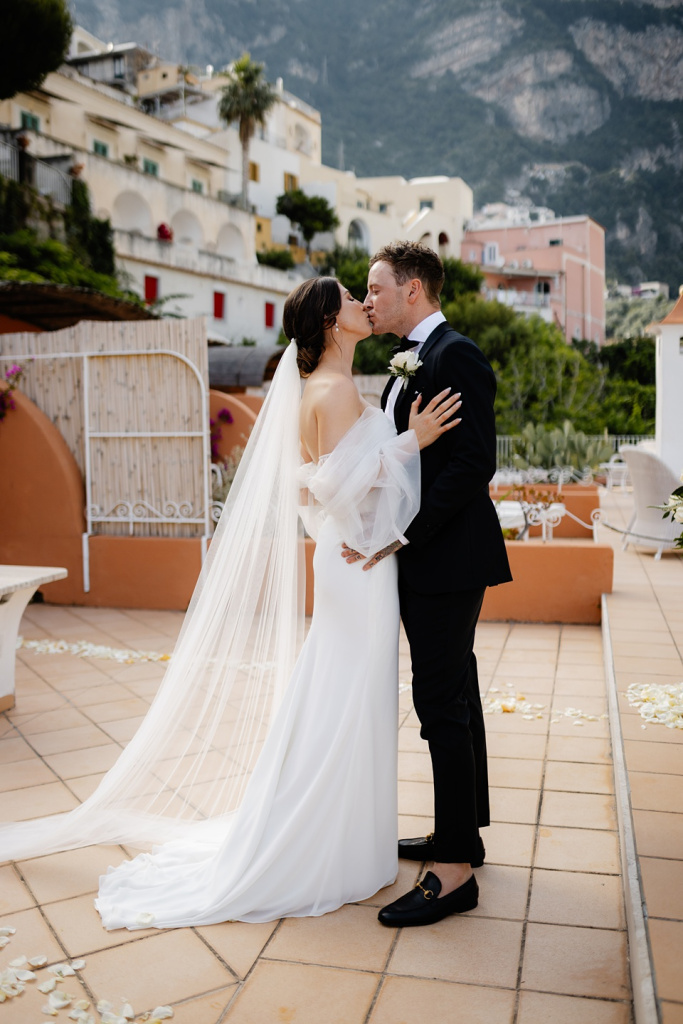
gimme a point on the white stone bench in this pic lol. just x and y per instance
(18, 584)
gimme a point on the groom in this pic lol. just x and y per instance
(455, 551)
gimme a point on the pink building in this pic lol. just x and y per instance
(553, 266)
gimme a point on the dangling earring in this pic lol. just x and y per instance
(336, 327)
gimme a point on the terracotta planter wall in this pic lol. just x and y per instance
(561, 581)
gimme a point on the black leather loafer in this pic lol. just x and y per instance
(422, 848)
(422, 904)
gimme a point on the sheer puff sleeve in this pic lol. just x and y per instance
(369, 484)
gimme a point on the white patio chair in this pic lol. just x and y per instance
(616, 472)
(653, 482)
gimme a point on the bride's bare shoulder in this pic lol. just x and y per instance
(328, 388)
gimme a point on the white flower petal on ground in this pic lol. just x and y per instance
(48, 986)
(62, 970)
(84, 649)
(11, 988)
(18, 961)
(38, 961)
(78, 965)
(658, 704)
(60, 1000)
(162, 1013)
(6, 931)
(26, 976)
(104, 1006)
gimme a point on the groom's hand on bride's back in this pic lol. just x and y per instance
(351, 556)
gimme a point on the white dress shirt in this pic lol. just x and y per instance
(419, 335)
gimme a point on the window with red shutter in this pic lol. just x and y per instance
(270, 314)
(151, 288)
(219, 305)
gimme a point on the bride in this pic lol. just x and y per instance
(268, 780)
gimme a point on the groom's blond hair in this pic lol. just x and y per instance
(410, 260)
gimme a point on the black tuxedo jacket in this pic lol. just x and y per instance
(456, 541)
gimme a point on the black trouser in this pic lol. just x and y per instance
(440, 630)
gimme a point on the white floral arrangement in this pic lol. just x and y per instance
(405, 365)
(674, 508)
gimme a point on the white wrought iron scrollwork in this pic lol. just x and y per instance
(141, 511)
(545, 516)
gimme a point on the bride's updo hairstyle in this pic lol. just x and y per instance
(309, 311)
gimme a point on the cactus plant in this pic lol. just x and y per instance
(551, 447)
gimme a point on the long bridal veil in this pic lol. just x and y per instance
(187, 766)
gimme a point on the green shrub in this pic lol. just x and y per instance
(281, 259)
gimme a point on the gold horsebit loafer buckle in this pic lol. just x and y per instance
(427, 893)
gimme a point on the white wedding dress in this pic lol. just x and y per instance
(263, 776)
(317, 825)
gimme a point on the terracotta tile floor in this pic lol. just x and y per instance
(547, 942)
(646, 625)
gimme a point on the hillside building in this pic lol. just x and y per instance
(177, 229)
(146, 137)
(540, 264)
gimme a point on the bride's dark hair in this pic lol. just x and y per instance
(309, 311)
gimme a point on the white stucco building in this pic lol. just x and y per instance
(169, 196)
(669, 380)
(146, 137)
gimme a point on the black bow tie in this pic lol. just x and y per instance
(403, 345)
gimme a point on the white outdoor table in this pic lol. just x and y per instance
(18, 583)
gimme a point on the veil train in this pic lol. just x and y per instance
(187, 767)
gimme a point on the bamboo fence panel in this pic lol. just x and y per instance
(146, 393)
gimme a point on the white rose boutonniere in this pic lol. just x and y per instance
(405, 365)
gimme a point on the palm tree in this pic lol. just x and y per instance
(246, 98)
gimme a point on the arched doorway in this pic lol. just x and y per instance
(132, 213)
(358, 235)
(187, 229)
(230, 242)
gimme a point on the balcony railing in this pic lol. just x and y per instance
(9, 162)
(506, 442)
(51, 182)
(512, 297)
(47, 180)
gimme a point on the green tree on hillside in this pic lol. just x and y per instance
(35, 40)
(247, 99)
(350, 266)
(628, 318)
(313, 214)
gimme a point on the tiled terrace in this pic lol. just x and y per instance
(547, 942)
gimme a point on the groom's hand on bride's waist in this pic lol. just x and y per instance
(351, 556)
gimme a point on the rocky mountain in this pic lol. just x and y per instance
(577, 104)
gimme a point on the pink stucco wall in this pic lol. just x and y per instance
(574, 268)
